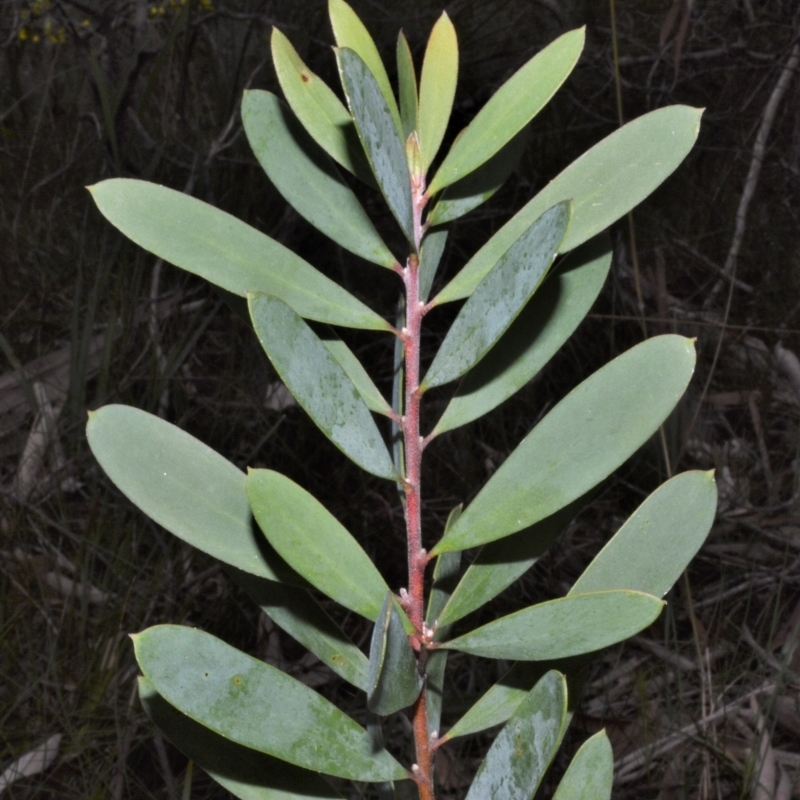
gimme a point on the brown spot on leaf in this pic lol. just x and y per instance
(305, 77)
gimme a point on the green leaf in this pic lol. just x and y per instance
(394, 682)
(591, 773)
(298, 613)
(347, 360)
(184, 486)
(407, 84)
(500, 702)
(500, 563)
(502, 294)
(437, 87)
(522, 751)
(659, 539)
(311, 540)
(546, 322)
(322, 113)
(308, 179)
(510, 109)
(569, 626)
(256, 705)
(245, 773)
(429, 258)
(349, 31)
(467, 194)
(382, 143)
(216, 246)
(319, 384)
(604, 184)
(590, 433)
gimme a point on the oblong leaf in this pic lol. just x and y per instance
(429, 258)
(510, 108)
(256, 705)
(500, 563)
(311, 540)
(207, 242)
(319, 384)
(407, 86)
(590, 775)
(382, 143)
(308, 179)
(349, 31)
(590, 433)
(467, 194)
(394, 682)
(322, 113)
(658, 540)
(499, 298)
(546, 322)
(298, 613)
(184, 486)
(245, 773)
(522, 751)
(437, 87)
(569, 626)
(604, 184)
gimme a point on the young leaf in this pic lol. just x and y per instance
(315, 543)
(569, 626)
(510, 109)
(604, 184)
(349, 31)
(467, 194)
(298, 613)
(590, 433)
(591, 773)
(522, 752)
(308, 179)
(500, 563)
(394, 682)
(319, 384)
(256, 705)
(407, 85)
(437, 87)
(184, 486)
(546, 322)
(245, 773)
(322, 113)
(347, 360)
(216, 246)
(429, 258)
(659, 539)
(382, 143)
(503, 293)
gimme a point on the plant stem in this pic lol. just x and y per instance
(413, 445)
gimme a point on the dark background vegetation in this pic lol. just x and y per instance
(100, 88)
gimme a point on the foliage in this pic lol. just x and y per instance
(526, 290)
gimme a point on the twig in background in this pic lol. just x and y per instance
(766, 466)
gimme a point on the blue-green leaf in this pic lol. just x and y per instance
(319, 384)
(394, 681)
(310, 539)
(407, 86)
(216, 246)
(256, 705)
(569, 626)
(245, 773)
(522, 751)
(379, 136)
(590, 433)
(308, 179)
(184, 486)
(604, 184)
(546, 322)
(497, 301)
(591, 774)
(299, 614)
(429, 258)
(653, 548)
